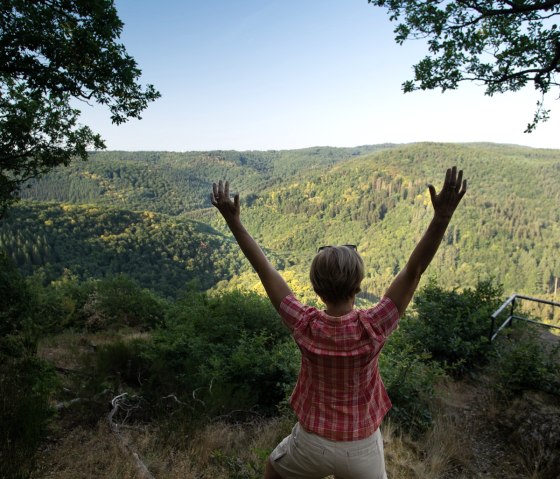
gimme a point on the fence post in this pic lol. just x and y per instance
(511, 313)
(492, 324)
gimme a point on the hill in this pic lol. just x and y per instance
(177, 183)
(294, 201)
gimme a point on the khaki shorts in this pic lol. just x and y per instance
(303, 455)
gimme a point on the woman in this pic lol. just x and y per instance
(339, 398)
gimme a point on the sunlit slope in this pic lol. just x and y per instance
(175, 183)
(506, 228)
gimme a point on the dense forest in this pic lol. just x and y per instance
(162, 253)
(147, 214)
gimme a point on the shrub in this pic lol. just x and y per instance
(409, 377)
(122, 363)
(16, 330)
(445, 333)
(453, 326)
(521, 361)
(26, 382)
(98, 305)
(231, 351)
(214, 354)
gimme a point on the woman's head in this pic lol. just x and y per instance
(336, 273)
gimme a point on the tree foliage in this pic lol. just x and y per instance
(503, 44)
(26, 381)
(159, 252)
(53, 51)
(293, 202)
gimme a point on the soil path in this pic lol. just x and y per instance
(487, 446)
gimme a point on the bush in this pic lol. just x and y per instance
(214, 354)
(123, 302)
(453, 326)
(122, 363)
(521, 361)
(260, 372)
(409, 377)
(17, 335)
(98, 305)
(445, 333)
(26, 386)
(26, 382)
(231, 351)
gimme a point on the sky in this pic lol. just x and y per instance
(286, 74)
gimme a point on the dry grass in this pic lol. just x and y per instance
(223, 451)
(445, 448)
(64, 350)
(83, 454)
(219, 451)
(461, 443)
(402, 456)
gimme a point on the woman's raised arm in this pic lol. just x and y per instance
(404, 285)
(275, 286)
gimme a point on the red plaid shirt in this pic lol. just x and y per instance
(339, 393)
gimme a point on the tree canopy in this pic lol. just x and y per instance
(52, 52)
(505, 45)
(133, 212)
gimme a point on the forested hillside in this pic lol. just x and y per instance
(160, 252)
(126, 212)
(176, 183)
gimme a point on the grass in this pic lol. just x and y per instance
(83, 453)
(455, 447)
(467, 436)
(228, 451)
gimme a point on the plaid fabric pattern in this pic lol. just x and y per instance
(339, 393)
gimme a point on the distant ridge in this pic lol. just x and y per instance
(294, 200)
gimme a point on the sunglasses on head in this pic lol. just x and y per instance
(351, 246)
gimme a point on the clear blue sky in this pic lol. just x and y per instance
(280, 74)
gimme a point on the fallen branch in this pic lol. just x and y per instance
(172, 396)
(118, 402)
(66, 404)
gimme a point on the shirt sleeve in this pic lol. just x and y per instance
(292, 311)
(384, 316)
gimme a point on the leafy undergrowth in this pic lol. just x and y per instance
(189, 394)
(475, 433)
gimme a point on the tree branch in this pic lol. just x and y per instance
(141, 468)
(515, 10)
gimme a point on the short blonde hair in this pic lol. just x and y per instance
(336, 273)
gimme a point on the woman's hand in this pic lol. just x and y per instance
(454, 188)
(221, 200)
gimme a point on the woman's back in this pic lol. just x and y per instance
(339, 393)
